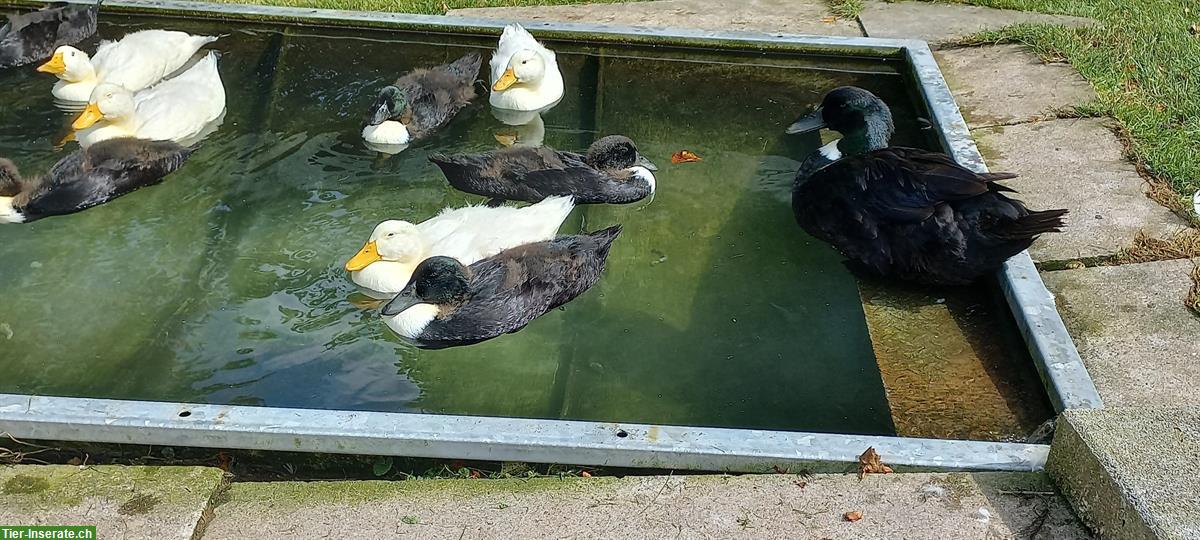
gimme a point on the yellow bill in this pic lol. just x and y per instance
(365, 257)
(508, 79)
(56, 65)
(88, 117)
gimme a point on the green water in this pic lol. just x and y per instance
(224, 284)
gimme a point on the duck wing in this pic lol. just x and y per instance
(518, 173)
(105, 171)
(29, 37)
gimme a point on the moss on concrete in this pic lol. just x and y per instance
(283, 494)
(136, 490)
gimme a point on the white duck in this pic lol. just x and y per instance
(385, 264)
(525, 75)
(179, 109)
(137, 61)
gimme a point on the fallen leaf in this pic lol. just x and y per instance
(474, 474)
(829, 19)
(870, 462)
(506, 139)
(585, 474)
(684, 156)
(75, 461)
(852, 516)
(800, 484)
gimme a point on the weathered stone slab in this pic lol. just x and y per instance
(1008, 84)
(1133, 331)
(959, 506)
(939, 23)
(786, 16)
(1129, 471)
(122, 502)
(1076, 164)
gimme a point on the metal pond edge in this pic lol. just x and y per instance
(561, 441)
(1033, 307)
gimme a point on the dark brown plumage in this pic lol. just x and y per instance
(425, 100)
(33, 37)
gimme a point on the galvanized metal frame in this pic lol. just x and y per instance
(559, 441)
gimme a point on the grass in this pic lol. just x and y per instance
(1141, 59)
(427, 7)
(846, 9)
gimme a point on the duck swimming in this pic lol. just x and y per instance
(86, 178)
(447, 304)
(421, 102)
(612, 171)
(179, 109)
(905, 212)
(137, 61)
(525, 75)
(31, 37)
(385, 264)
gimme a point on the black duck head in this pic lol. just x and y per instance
(437, 280)
(389, 105)
(616, 152)
(860, 116)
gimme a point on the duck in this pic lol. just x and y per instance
(86, 178)
(450, 304)
(179, 109)
(384, 265)
(612, 171)
(32, 37)
(137, 61)
(421, 102)
(905, 213)
(525, 74)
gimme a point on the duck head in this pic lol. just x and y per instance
(437, 280)
(617, 152)
(391, 241)
(385, 123)
(526, 67)
(110, 102)
(863, 119)
(390, 104)
(69, 64)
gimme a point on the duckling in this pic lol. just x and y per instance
(137, 61)
(905, 212)
(421, 102)
(86, 178)
(447, 304)
(384, 265)
(612, 172)
(180, 109)
(30, 37)
(525, 74)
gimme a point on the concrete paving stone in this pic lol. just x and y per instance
(1077, 164)
(1135, 335)
(784, 16)
(940, 23)
(154, 503)
(1130, 471)
(1008, 84)
(958, 505)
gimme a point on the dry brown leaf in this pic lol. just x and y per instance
(852, 516)
(585, 474)
(684, 156)
(829, 19)
(870, 462)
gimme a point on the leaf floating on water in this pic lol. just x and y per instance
(870, 463)
(852, 516)
(507, 139)
(684, 156)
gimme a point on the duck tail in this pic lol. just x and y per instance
(466, 69)
(1032, 224)
(10, 179)
(605, 238)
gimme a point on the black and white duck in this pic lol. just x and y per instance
(447, 304)
(905, 212)
(32, 37)
(420, 103)
(86, 178)
(612, 171)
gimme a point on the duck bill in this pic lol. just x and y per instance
(809, 122)
(406, 299)
(380, 114)
(88, 117)
(56, 65)
(643, 162)
(365, 257)
(508, 79)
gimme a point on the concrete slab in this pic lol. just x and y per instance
(122, 502)
(960, 506)
(1008, 84)
(939, 23)
(786, 16)
(1076, 164)
(1133, 330)
(1131, 490)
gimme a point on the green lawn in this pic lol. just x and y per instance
(431, 7)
